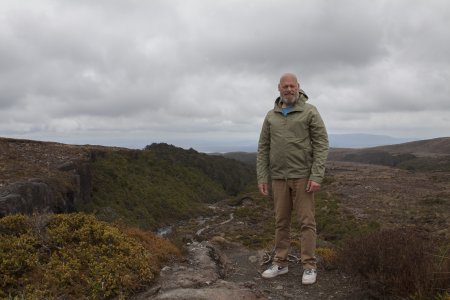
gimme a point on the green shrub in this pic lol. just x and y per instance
(73, 256)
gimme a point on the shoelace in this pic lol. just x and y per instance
(276, 268)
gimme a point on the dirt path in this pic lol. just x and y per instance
(222, 270)
(216, 267)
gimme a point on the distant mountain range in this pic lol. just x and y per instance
(422, 148)
(424, 155)
(432, 154)
(361, 140)
(357, 140)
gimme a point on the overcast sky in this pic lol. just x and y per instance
(203, 74)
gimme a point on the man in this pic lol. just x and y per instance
(292, 150)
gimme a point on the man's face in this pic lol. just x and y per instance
(289, 89)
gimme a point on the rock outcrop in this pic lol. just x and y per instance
(32, 196)
(199, 277)
(43, 177)
(47, 195)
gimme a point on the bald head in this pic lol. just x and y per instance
(289, 88)
(288, 77)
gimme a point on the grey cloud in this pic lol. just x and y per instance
(210, 68)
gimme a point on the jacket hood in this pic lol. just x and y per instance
(302, 98)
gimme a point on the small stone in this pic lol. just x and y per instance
(249, 284)
(279, 287)
(218, 240)
(253, 259)
(165, 269)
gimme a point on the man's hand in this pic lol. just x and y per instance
(263, 188)
(312, 186)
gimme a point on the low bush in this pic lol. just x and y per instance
(401, 262)
(329, 255)
(75, 256)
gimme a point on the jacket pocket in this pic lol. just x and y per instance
(300, 153)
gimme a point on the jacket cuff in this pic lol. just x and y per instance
(263, 180)
(316, 179)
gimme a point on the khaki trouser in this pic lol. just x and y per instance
(291, 195)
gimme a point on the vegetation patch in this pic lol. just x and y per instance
(334, 224)
(259, 230)
(146, 191)
(257, 214)
(75, 256)
(379, 158)
(232, 175)
(441, 199)
(441, 163)
(327, 257)
(160, 185)
(405, 161)
(402, 262)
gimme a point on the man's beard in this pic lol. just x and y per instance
(289, 100)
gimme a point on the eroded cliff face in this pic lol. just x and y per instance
(37, 177)
(47, 194)
(33, 196)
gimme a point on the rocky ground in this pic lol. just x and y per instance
(220, 269)
(25, 159)
(223, 270)
(217, 266)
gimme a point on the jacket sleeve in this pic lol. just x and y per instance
(263, 156)
(319, 143)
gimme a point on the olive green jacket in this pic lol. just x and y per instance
(292, 146)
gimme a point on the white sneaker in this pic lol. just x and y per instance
(273, 271)
(309, 276)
